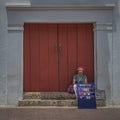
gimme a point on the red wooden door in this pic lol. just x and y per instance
(52, 53)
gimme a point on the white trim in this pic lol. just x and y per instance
(104, 27)
(15, 28)
(65, 7)
(18, 4)
(110, 5)
(108, 24)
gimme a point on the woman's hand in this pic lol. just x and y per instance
(86, 80)
(74, 81)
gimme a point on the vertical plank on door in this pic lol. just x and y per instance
(90, 46)
(72, 50)
(26, 67)
(53, 58)
(44, 59)
(86, 49)
(34, 57)
(63, 56)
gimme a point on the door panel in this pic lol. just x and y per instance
(63, 56)
(53, 58)
(86, 49)
(34, 57)
(44, 58)
(72, 50)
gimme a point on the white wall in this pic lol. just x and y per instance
(103, 30)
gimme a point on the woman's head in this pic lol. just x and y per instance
(80, 70)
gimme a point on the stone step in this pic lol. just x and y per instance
(48, 95)
(35, 102)
(53, 99)
(69, 103)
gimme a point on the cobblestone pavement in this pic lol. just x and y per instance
(59, 114)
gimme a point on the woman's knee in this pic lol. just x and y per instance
(74, 85)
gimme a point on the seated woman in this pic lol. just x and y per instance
(79, 78)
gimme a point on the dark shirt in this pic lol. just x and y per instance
(80, 80)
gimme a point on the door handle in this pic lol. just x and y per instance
(60, 48)
(56, 48)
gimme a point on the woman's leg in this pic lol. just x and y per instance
(75, 89)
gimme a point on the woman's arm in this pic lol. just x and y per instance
(86, 80)
(74, 81)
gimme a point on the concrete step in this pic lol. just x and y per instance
(35, 102)
(48, 95)
(69, 103)
(53, 99)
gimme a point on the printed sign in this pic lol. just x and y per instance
(86, 91)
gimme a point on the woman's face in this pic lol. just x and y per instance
(80, 72)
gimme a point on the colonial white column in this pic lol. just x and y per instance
(3, 55)
(116, 55)
(103, 58)
(15, 64)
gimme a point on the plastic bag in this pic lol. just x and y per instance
(70, 89)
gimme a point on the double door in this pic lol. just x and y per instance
(52, 52)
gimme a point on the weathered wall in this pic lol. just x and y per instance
(15, 66)
(116, 55)
(103, 32)
(3, 55)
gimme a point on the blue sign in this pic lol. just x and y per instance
(86, 96)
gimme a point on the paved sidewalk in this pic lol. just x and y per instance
(37, 113)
